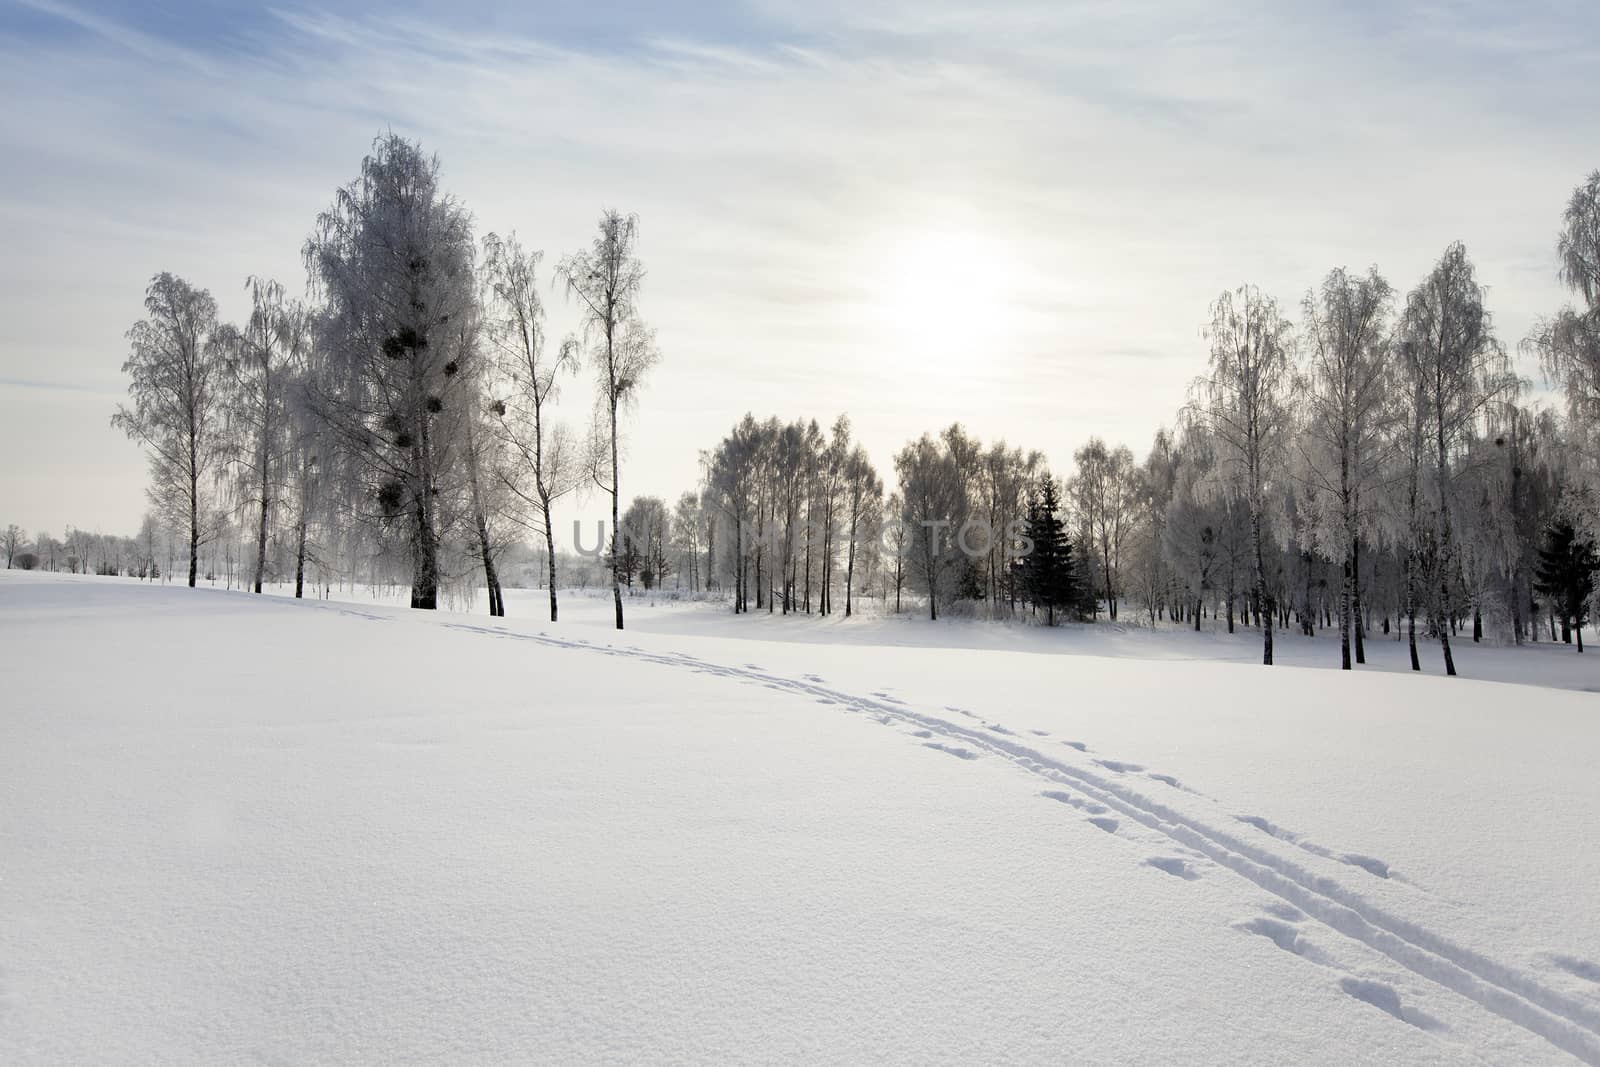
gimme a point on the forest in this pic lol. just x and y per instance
(1364, 458)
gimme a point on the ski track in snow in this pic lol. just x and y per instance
(1110, 795)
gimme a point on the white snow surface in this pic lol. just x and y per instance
(240, 829)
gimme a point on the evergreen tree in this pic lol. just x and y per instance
(1566, 574)
(1047, 572)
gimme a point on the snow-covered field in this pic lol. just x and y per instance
(238, 829)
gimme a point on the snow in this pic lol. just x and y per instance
(236, 829)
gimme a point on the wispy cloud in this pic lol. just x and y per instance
(1122, 162)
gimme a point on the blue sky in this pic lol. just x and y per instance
(1011, 214)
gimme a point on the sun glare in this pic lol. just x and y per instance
(947, 295)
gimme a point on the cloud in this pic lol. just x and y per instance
(1123, 163)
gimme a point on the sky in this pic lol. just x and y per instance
(1013, 215)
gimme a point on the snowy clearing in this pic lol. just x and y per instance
(252, 829)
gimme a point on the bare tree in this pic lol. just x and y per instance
(1242, 403)
(1568, 344)
(11, 540)
(863, 506)
(1105, 492)
(531, 379)
(731, 479)
(1459, 370)
(605, 279)
(175, 372)
(687, 524)
(934, 508)
(1346, 349)
(262, 361)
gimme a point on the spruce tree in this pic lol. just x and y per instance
(1047, 570)
(1566, 574)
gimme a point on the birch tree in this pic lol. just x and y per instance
(1105, 492)
(392, 257)
(1568, 344)
(1346, 349)
(1243, 404)
(175, 374)
(863, 507)
(1459, 369)
(934, 506)
(530, 375)
(605, 280)
(262, 362)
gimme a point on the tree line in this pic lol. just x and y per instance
(1376, 466)
(1373, 464)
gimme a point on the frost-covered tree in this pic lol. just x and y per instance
(1105, 494)
(263, 361)
(863, 509)
(1457, 369)
(686, 535)
(1242, 403)
(1340, 446)
(934, 508)
(605, 280)
(1568, 345)
(175, 380)
(731, 482)
(645, 535)
(392, 256)
(528, 385)
(12, 540)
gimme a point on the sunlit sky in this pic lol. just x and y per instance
(1013, 215)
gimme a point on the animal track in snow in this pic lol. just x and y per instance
(1077, 802)
(997, 728)
(1384, 997)
(1173, 865)
(1107, 824)
(1367, 863)
(957, 752)
(1118, 766)
(1286, 936)
(922, 733)
(1040, 733)
(1589, 972)
(1371, 864)
(1079, 745)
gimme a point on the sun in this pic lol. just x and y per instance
(947, 295)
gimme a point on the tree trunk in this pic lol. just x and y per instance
(261, 537)
(849, 571)
(550, 555)
(1355, 601)
(486, 553)
(300, 559)
(194, 521)
(616, 526)
(425, 547)
(1344, 616)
